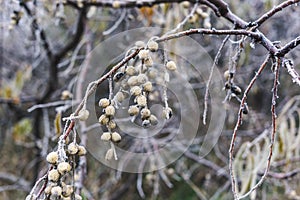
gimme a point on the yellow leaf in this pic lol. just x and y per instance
(57, 124)
(19, 81)
(7, 92)
(147, 12)
(22, 130)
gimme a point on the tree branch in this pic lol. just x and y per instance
(76, 38)
(256, 36)
(129, 4)
(288, 47)
(56, 58)
(239, 121)
(286, 175)
(273, 11)
(35, 27)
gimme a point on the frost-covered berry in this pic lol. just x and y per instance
(147, 87)
(152, 45)
(140, 44)
(106, 136)
(186, 4)
(143, 54)
(52, 157)
(141, 100)
(103, 119)
(56, 191)
(146, 123)
(130, 70)
(133, 110)
(171, 65)
(83, 114)
(152, 73)
(104, 102)
(115, 137)
(148, 62)
(112, 124)
(66, 94)
(153, 120)
(118, 76)
(136, 91)
(72, 148)
(142, 78)
(227, 74)
(167, 113)
(48, 189)
(53, 175)
(67, 190)
(204, 15)
(145, 113)
(192, 19)
(64, 167)
(236, 90)
(81, 150)
(132, 81)
(116, 4)
(110, 111)
(170, 171)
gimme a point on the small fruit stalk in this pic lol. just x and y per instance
(232, 90)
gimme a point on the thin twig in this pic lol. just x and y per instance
(116, 24)
(182, 23)
(44, 178)
(128, 4)
(82, 168)
(46, 105)
(285, 175)
(253, 35)
(288, 47)
(238, 123)
(210, 78)
(273, 106)
(273, 11)
(47, 132)
(139, 183)
(291, 70)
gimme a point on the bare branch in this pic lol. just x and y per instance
(253, 35)
(288, 47)
(128, 4)
(21, 182)
(291, 70)
(285, 175)
(273, 11)
(210, 78)
(47, 105)
(238, 123)
(75, 39)
(36, 27)
(226, 13)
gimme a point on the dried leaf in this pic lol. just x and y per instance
(57, 124)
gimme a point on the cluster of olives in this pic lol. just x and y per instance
(56, 187)
(138, 81)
